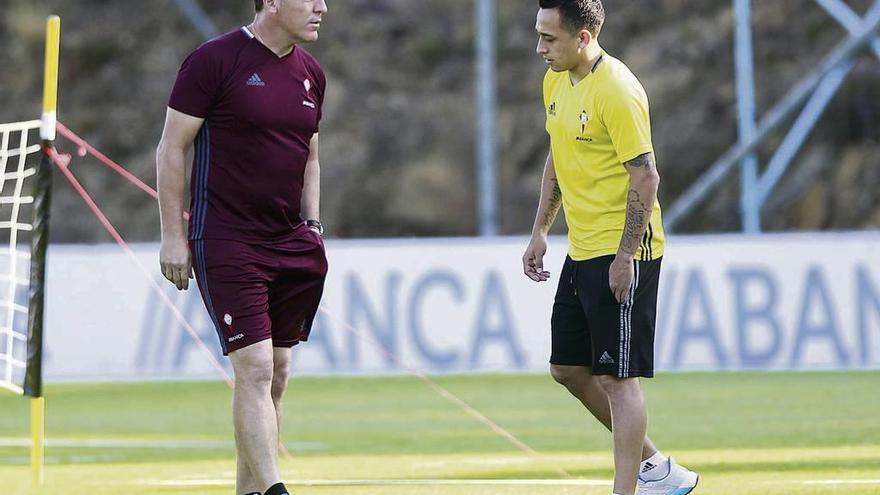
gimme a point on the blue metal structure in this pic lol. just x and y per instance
(817, 89)
(745, 89)
(198, 18)
(487, 152)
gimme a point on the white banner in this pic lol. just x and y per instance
(802, 301)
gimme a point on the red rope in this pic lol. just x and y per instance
(84, 147)
(63, 162)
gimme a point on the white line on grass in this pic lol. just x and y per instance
(841, 482)
(228, 482)
(118, 443)
(488, 461)
(825, 482)
(460, 482)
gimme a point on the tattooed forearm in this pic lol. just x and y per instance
(555, 201)
(638, 214)
(551, 199)
(639, 202)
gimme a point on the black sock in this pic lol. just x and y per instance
(277, 489)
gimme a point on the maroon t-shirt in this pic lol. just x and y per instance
(260, 113)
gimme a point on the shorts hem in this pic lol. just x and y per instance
(241, 344)
(287, 344)
(569, 362)
(629, 374)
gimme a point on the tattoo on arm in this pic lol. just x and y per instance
(637, 216)
(553, 205)
(646, 160)
(638, 209)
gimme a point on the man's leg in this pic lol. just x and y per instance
(629, 419)
(580, 381)
(245, 482)
(282, 358)
(253, 414)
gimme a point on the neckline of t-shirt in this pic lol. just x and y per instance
(596, 65)
(250, 34)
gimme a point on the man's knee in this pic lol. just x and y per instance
(253, 365)
(279, 381)
(254, 373)
(619, 388)
(566, 376)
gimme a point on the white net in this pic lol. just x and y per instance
(19, 155)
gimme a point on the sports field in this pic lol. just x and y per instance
(746, 433)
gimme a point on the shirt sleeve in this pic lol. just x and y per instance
(320, 90)
(546, 88)
(626, 116)
(197, 84)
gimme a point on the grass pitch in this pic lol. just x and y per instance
(746, 433)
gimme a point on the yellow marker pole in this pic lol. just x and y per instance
(47, 134)
(50, 81)
(38, 425)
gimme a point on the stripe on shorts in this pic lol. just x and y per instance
(206, 295)
(626, 326)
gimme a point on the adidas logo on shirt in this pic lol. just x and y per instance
(606, 358)
(255, 80)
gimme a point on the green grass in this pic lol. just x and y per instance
(747, 434)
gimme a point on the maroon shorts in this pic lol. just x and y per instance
(255, 292)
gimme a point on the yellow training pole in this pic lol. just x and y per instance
(47, 134)
(50, 81)
(38, 410)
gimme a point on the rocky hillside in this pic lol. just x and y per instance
(399, 123)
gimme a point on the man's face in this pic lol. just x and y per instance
(301, 18)
(558, 46)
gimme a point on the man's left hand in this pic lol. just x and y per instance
(620, 277)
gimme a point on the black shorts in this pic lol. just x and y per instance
(590, 328)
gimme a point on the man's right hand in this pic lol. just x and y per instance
(174, 258)
(533, 259)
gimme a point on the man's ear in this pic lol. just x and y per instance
(584, 38)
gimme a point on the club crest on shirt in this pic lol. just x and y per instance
(230, 328)
(308, 85)
(551, 110)
(584, 118)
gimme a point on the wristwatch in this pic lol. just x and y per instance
(317, 225)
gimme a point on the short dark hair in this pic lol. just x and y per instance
(258, 5)
(578, 14)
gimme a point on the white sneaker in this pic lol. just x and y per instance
(678, 481)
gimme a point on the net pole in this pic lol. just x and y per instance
(33, 383)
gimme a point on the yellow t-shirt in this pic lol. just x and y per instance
(595, 126)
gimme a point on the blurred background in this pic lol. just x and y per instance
(400, 125)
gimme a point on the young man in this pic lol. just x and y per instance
(601, 169)
(251, 101)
